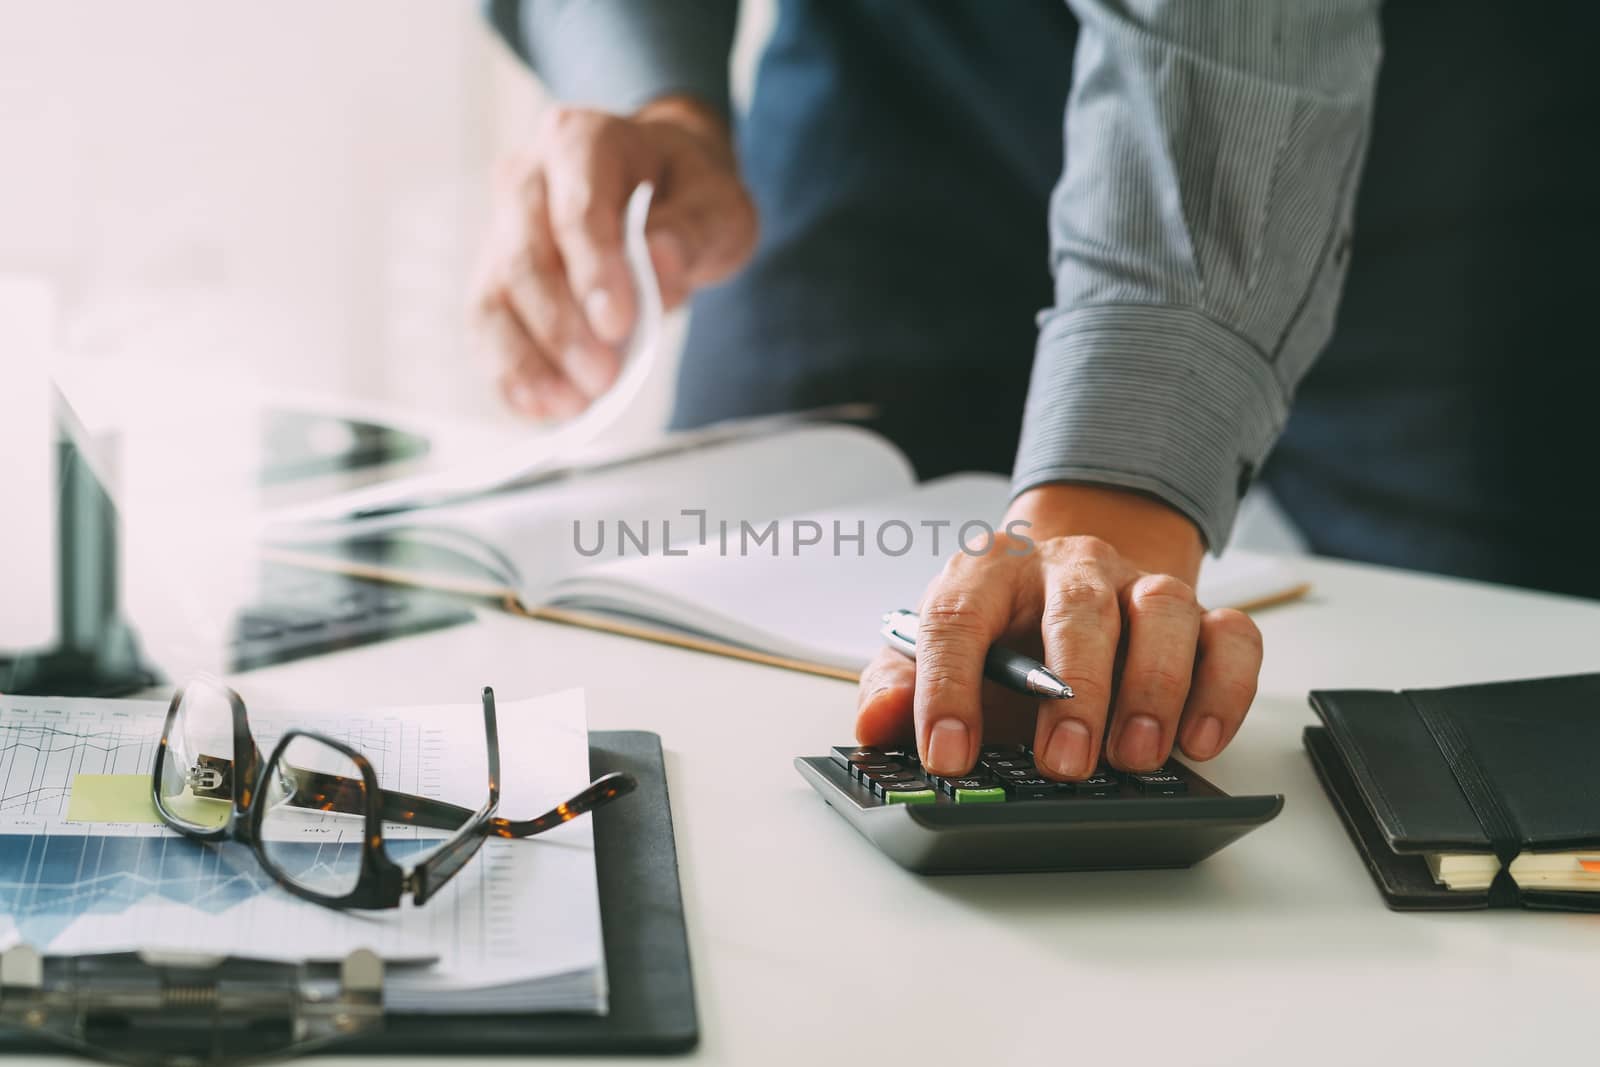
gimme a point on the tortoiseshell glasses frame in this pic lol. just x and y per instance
(382, 882)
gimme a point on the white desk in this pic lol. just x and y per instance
(809, 947)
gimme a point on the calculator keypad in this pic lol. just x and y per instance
(1004, 773)
(1102, 783)
(1162, 783)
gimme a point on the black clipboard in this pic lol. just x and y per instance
(652, 1006)
(647, 949)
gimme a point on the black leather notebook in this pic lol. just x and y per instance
(1502, 769)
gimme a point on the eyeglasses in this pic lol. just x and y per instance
(210, 783)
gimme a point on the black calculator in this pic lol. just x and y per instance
(1005, 816)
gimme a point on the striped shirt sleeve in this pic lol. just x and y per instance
(619, 55)
(1198, 238)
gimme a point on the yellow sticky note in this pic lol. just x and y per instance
(111, 798)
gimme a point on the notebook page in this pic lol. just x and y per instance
(822, 603)
(528, 540)
(563, 530)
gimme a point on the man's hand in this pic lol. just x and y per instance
(553, 298)
(1104, 594)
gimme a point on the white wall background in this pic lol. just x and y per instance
(284, 193)
(241, 195)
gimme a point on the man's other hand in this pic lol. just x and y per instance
(553, 299)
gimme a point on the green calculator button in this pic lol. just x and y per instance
(916, 796)
(989, 795)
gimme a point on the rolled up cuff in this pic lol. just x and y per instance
(1162, 400)
(619, 55)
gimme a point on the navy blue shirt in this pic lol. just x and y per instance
(1451, 423)
(901, 163)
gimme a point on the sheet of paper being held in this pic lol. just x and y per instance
(507, 466)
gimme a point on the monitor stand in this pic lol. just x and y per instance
(96, 653)
(74, 674)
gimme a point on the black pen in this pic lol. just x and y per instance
(1013, 670)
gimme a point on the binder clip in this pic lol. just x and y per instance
(163, 1010)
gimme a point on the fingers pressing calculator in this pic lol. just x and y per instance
(1006, 816)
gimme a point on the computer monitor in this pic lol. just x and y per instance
(61, 628)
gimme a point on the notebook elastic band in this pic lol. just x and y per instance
(1505, 839)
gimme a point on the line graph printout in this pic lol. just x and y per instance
(520, 923)
(43, 748)
(46, 745)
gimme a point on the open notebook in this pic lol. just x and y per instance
(785, 546)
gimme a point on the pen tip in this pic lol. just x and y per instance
(1056, 688)
(1042, 682)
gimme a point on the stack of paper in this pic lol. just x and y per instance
(87, 867)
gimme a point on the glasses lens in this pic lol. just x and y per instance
(313, 821)
(196, 780)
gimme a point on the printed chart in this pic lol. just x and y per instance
(120, 880)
